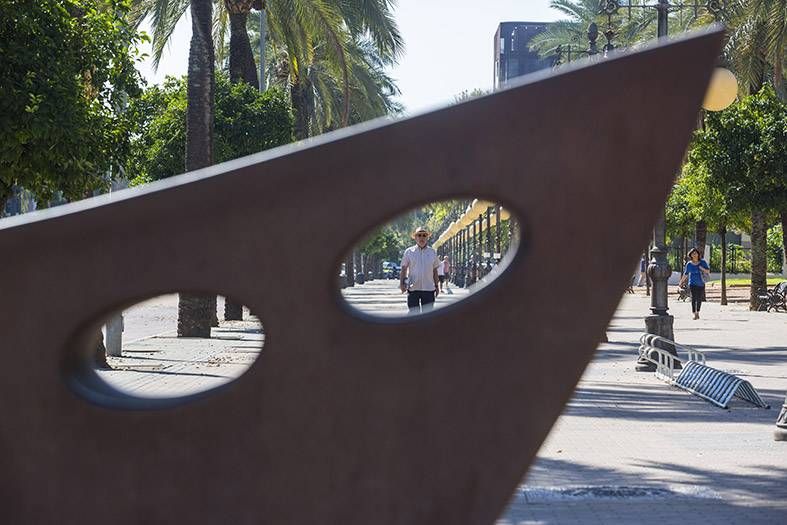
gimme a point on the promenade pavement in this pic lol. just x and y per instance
(627, 449)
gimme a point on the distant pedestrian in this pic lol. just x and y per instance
(695, 273)
(419, 271)
(440, 273)
(643, 268)
(447, 272)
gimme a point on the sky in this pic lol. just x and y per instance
(448, 46)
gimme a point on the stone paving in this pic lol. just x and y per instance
(628, 447)
(166, 366)
(382, 297)
(624, 428)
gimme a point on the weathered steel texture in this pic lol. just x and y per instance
(343, 420)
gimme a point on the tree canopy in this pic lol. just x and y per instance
(68, 72)
(246, 122)
(744, 149)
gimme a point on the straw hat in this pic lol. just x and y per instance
(421, 229)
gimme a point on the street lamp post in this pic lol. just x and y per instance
(659, 322)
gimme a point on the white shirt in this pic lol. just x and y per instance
(421, 264)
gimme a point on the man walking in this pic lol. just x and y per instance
(419, 267)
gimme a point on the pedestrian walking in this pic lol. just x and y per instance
(447, 273)
(419, 272)
(440, 273)
(696, 273)
(643, 268)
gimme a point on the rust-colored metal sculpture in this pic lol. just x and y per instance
(343, 419)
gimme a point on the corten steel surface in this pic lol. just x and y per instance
(343, 419)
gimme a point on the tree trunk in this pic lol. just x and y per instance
(701, 234)
(196, 312)
(214, 311)
(242, 65)
(232, 311)
(723, 235)
(195, 315)
(300, 105)
(101, 353)
(349, 269)
(784, 238)
(759, 263)
(5, 194)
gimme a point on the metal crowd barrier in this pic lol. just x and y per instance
(715, 386)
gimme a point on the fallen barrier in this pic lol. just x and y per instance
(715, 386)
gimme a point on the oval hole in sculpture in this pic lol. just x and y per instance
(477, 237)
(141, 359)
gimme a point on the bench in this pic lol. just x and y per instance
(696, 377)
(773, 299)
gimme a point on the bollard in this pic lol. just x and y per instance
(114, 338)
(780, 434)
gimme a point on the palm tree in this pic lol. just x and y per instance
(241, 59)
(300, 27)
(196, 312)
(632, 25)
(757, 42)
(321, 102)
(570, 35)
(299, 31)
(756, 51)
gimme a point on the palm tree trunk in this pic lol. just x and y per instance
(701, 234)
(784, 237)
(723, 235)
(101, 353)
(232, 311)
(195, 315)
(242, 69)
(300, 104)
(197, 311)
(242, 66)
(349, 269)
(5, 194)
(759, 262)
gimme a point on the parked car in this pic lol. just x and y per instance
(390, 270)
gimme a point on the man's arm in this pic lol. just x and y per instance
(436, 282)
(403, 273)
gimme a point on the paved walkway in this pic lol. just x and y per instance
(166, 366)
(382, 297)
(628, 449)
(681, 459)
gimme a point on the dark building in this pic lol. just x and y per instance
(513, 56)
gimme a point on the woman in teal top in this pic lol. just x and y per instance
(696, 268)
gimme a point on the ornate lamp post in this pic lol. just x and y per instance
(659, 321)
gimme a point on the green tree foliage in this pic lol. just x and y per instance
(468, 95)
(744, 150)
(775, 249)
(246, 122)
(385, 244)
(331, 55)
(68, 71)
(440, 214)
(679, 215)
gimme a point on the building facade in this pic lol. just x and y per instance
(513, 57)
